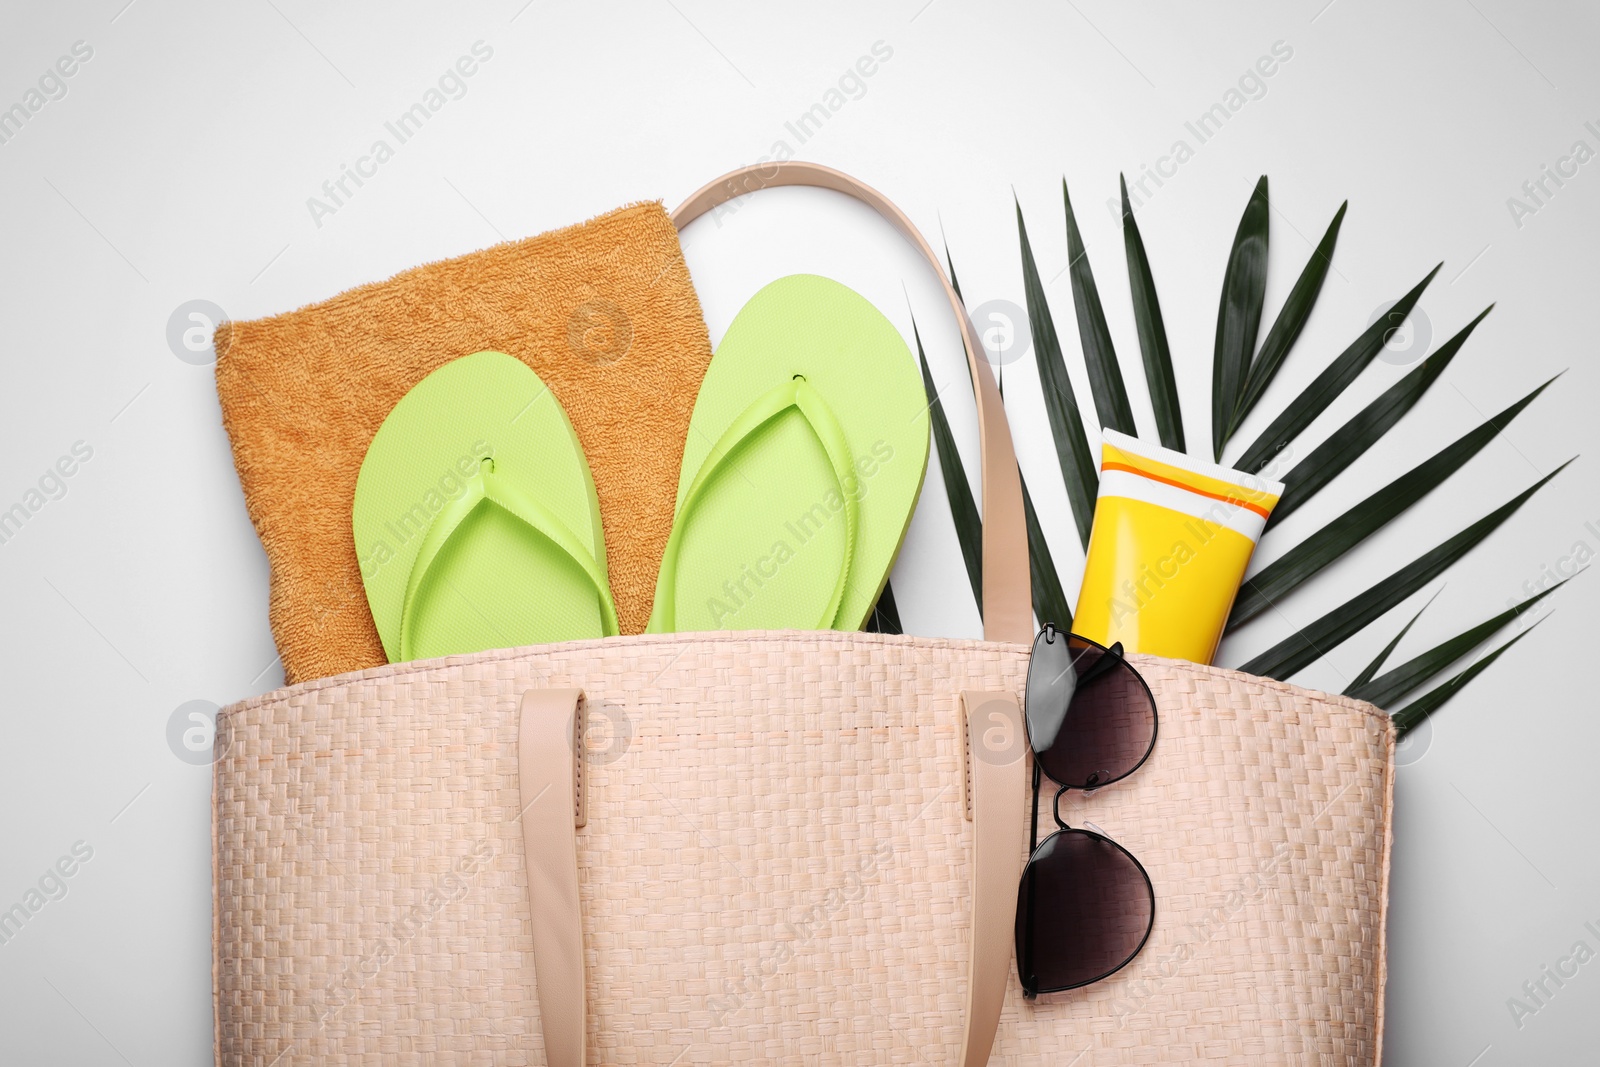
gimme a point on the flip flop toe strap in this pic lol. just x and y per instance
(487, 487)
(800, 395)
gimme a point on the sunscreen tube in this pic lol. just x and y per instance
(1171, 539)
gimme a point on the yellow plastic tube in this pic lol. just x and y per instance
(1171, 539)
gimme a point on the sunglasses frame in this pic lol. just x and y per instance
(1030, 986)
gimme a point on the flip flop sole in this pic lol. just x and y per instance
(495, 581)
(763, 544)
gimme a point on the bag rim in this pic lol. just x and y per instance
(843, 638)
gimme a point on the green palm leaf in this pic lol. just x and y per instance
(1351, 440)
(1099, 357)
(1290, 321)
(1338, 375)
(885, 617)
(963, 509)
(1378, 661)
(1415, 673)
(1309, 557)
(1152, 332)
(1413, 713)
(1049, 599)
(1244, 287)
(1078, 467)
(1300, 649)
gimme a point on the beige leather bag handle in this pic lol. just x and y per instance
(549, 758)
(1007, 589)
(550, 739)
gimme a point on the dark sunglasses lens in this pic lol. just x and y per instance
(1084, 910)
(1091, 719)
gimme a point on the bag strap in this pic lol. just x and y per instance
(1007, 588)
(549, 761)
(994, 740)
(550, 746)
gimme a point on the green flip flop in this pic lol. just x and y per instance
(476, 520)
(803, 464)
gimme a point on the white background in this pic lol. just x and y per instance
(178, 167)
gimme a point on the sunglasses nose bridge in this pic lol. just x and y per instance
(1055, 808)
(1088, 789)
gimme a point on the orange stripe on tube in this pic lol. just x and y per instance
(1187, 486)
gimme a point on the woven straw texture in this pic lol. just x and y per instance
(775, 865)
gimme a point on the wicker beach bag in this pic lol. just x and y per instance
(781, 847)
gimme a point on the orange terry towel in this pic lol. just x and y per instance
(604, 312)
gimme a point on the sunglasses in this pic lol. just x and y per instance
(1085, 906)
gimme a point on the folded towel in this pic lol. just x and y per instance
(604, 312)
